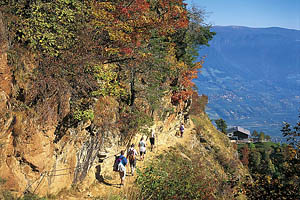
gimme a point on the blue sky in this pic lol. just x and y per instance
(252, 13)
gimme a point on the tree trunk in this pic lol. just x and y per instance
(132, 89)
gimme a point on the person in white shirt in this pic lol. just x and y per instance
(142, 146)
(131, 156)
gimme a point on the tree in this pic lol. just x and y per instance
(198, 104)
(129, 50)
(186, 49)
(252, 146)
(292, 133)
(265, 188)
(261, 136)
(270, 168)
(221, 125)
(255, 160)
(254, 133)
(275, 172)
(267, 137)
(245, 155)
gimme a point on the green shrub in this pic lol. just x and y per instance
(84, 115)
(2, 181)
(31, 197)
(7, 195)
(174, 176)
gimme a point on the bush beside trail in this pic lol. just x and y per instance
(179, 174)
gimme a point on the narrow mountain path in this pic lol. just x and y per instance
(110, 188)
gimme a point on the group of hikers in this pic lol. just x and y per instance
(132, 154)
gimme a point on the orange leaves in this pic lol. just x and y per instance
(191, 74)
(102, 12)
(185, 80)
(172, 15)
(181, 96)
(134, 7)
(126, 50)
(129, 29)
(131, 23)
(122, 24)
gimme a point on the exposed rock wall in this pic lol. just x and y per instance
(35, 158)
(5, 73)
(34, 154)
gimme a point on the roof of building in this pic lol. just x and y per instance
(238, 128)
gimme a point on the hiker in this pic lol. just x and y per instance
(142, 146)
(131, 155)
(122, 168)
(181, 128)
(152, 139)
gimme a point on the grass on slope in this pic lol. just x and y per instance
(206, 167)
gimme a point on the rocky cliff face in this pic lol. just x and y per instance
(35, 157)
(5, 73)
(43, 154)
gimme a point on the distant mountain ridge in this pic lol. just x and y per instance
(252, 76)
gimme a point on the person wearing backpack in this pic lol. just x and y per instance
(122, 162)
(131, 156)
(142, 146)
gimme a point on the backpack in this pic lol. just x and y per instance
(181, 128)
(131, 155)
(116, 163)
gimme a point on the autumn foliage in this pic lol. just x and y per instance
(274, 169)
(129, 50)
(128, 24)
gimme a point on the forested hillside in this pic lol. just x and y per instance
(83, 77)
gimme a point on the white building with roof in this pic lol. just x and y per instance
(238, 133)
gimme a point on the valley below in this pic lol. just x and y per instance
(252, 77)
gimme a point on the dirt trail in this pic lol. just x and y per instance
(110, 187)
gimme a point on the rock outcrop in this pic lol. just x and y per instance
(39, 155)
(5, 72)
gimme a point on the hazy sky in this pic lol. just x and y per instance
(252, 13)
